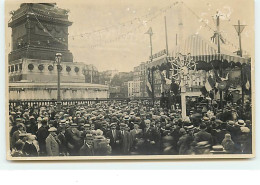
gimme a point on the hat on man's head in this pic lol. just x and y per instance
(205, 118)
(147, 121)
(89, 136)
(31, 117)
(52, 129)
(87, 125)
(182, 131)
(74, 125)
(230, 122)
(241, 123)
(244, 129)
(112, 124)
(122, 125)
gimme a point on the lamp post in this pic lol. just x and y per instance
(58, 61)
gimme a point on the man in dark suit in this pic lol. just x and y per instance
(202, 135)
(113, 135)
(63, 142)
(87, 148)
(42, 134)
(151, 138)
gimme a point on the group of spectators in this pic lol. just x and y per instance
(126, 128)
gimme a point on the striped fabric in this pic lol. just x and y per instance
(202, 50)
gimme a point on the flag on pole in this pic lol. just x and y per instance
(150, 31)
(208, 86)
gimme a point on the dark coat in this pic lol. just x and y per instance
(124, 142)
(42, 134)
(203, 136)
(149, 136)
(30, 150)
(63, 143)
(86, 150)
(114, 142)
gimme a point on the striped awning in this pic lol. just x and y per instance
(201, 50)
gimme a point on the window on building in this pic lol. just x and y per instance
(16, 67)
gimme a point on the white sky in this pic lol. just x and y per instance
(125, 53)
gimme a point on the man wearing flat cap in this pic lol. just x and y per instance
(52, 143)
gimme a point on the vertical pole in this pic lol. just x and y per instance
(220, 70)
(239, 35)
(152, 69)
(218, 33)
(151, 46)
(183, 98)
(152, 86)
(176, 39)
(58, 90)
(242, 75)
(166, 38)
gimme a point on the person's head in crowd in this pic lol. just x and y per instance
(52, 131)
(223, 125)
(147, 123)
(122, 126)
(136, 126)
(89, 139)
(203, 126)
(87, 127)
(248, 123)
(113, 126)
(92, 126)
(30, 138)
(182, 131)
(127, 128)
(241, 123)
(20, 127)
(62, 130)
(99, 132)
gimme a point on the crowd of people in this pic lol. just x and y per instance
(127, 128)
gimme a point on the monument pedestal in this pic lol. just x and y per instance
(48, 91)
